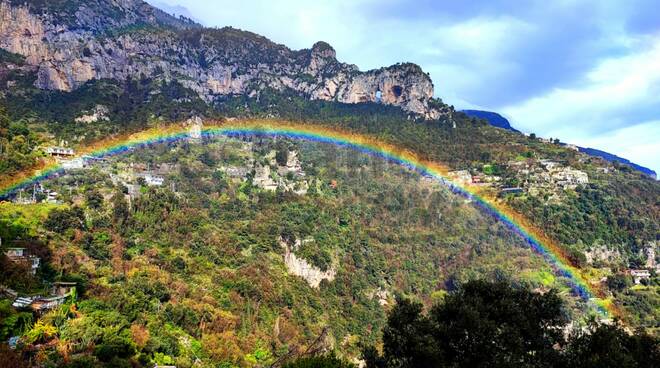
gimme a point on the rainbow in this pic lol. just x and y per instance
(536, 240)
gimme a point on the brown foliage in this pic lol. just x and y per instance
(140, 335)
(10, 358)
(222, 346)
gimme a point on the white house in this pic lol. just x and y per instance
(639, 275)
(153, 180)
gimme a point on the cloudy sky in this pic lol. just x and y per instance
(587, 72)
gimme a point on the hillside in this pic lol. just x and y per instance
(499, 121)
(493, 118)
(248, 250)
(614, 158)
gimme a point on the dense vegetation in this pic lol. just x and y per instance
(194, 269)
(485, 324)
(616, 210)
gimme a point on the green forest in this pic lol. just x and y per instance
(193, 272)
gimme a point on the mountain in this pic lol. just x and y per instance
(69, 43)
(247, 251)
(614, 158)
(492, 118)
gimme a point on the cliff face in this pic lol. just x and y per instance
(73, 43)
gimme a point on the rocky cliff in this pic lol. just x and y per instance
(72, 42)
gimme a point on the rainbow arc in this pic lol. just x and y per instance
(535, 238)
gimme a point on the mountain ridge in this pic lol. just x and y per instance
(71, 43)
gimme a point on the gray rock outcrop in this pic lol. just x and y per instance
(129, 39)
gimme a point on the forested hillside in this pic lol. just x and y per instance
(253, 251)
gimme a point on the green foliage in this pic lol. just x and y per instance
(18, 145)
(94, 199)
(12, 323)
(606, 346)
(480, 324)
(97, 245)
(114, 346)
(494, 324)
(618, 282)
(198, 272)
(324, 361)
(61, 219)
(10, 57)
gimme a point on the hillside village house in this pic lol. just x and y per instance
(461, 176)
(639, 275)
(63, 288)
(60, 151)
(76, 163)
(20, 255)
(59, 292)
(153, 180)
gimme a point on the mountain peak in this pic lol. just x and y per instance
(324, 49)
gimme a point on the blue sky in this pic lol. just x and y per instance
(587, 72)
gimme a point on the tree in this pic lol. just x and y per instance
(492, 324)
(4, 122)
(480, 324)
(323, 361)
(408, 339)
(606, 346)
(120, 211)
(282, 155)
(618, 282)
(94, 198)
(60, 220)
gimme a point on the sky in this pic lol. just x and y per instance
(586, 72)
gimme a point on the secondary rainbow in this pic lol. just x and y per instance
(359, 142)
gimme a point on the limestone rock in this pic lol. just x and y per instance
(70, 50)
(300, 267)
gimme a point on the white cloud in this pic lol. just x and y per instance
(603, 111)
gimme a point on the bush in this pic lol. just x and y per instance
(325, 361)
(114, 346)
(60, 220)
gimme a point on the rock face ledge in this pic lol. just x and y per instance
(71, 44)
(300, 267)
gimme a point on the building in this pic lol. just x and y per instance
(23, 301)
(153, 180)
(236, 172)
(51, 196)
(461, 176)
(20, 255)
(76, 163)
(639, 275)
(60, 291)
(15, 252)
(63, 288)
(46, 303)
(60, 151)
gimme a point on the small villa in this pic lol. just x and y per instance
(60, 151)
(20, 255)
(639, 275)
